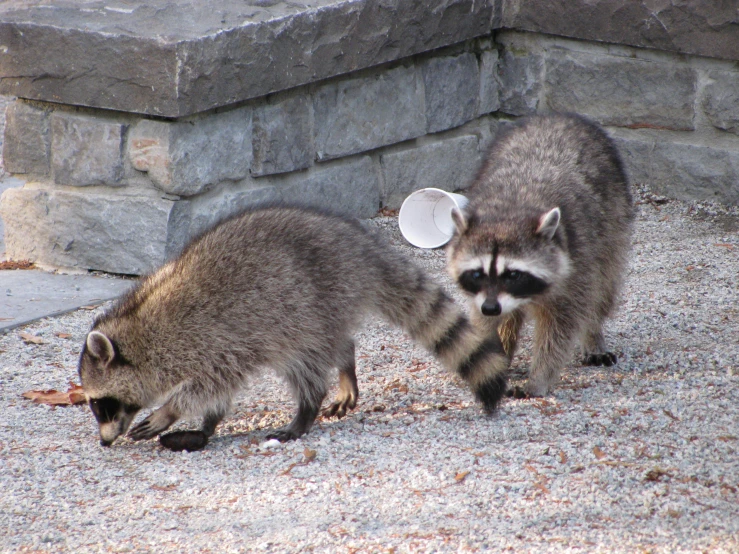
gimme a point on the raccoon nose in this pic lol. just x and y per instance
(490, 307)
(103, 442)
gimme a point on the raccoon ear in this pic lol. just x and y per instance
(460, 220)
(548, 223)
(100, 346)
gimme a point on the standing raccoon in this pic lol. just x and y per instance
(277, 287)
(546, 234)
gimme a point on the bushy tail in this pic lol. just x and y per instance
(429, 315)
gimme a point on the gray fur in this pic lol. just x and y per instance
(278, 287)
(543, 163)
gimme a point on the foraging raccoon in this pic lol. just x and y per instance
(546, 234)
(281, 287)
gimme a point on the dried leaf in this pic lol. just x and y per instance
(89, 307)
(63, 335)
(309, 454)
(75, 395)
(727, 438)
(656, 474)
(598, 453)
(16, 264)
(562, 457)
(461, 476)
(28, 338)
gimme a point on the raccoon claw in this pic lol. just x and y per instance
(606, 359)
(143, 431)
(339, 408)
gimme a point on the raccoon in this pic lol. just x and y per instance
(546, 234)
(280, 287)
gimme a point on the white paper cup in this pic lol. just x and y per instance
(425, 218)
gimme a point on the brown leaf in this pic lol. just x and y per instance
(309, 454)
(28, 338)
(599, 453)
(727, 438)
(461, 476)
(562, 457)
(16, 264)
(656, 474)
(75, 395)
(63, 335)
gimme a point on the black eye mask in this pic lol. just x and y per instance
(105, 409)
(521, 284)
(472, 280)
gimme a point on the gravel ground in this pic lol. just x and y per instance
(637, 458)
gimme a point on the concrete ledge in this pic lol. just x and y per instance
(178, 58)
(700, 27)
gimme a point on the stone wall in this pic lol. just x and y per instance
(356, 122)
(121, 192)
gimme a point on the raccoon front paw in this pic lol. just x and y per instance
(151, 426)
(534, 390)
(340, 407)
(284, 435)
(604, 358)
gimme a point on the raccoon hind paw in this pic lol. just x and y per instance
(284, 435)
(606, 359)
(340, 407)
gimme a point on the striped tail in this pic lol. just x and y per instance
(434, 320)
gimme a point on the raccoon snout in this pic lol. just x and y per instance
(491, 307)
(103, 442)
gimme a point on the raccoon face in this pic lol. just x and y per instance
(504, 276)
(113, 417)
(99, 365)
(499, 285)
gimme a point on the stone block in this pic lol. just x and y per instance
(186, 157)
(489, 96)
(27, 139)
(689, 172)
(452, 88)
(636, 156)
(622, 91)
(282, 136)
(350, 187)
(721, 100)
(86, 150)
(108, 232)
(519, 81)
(449, 164)
(201, 55)
(683, 171)
(363, 113)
